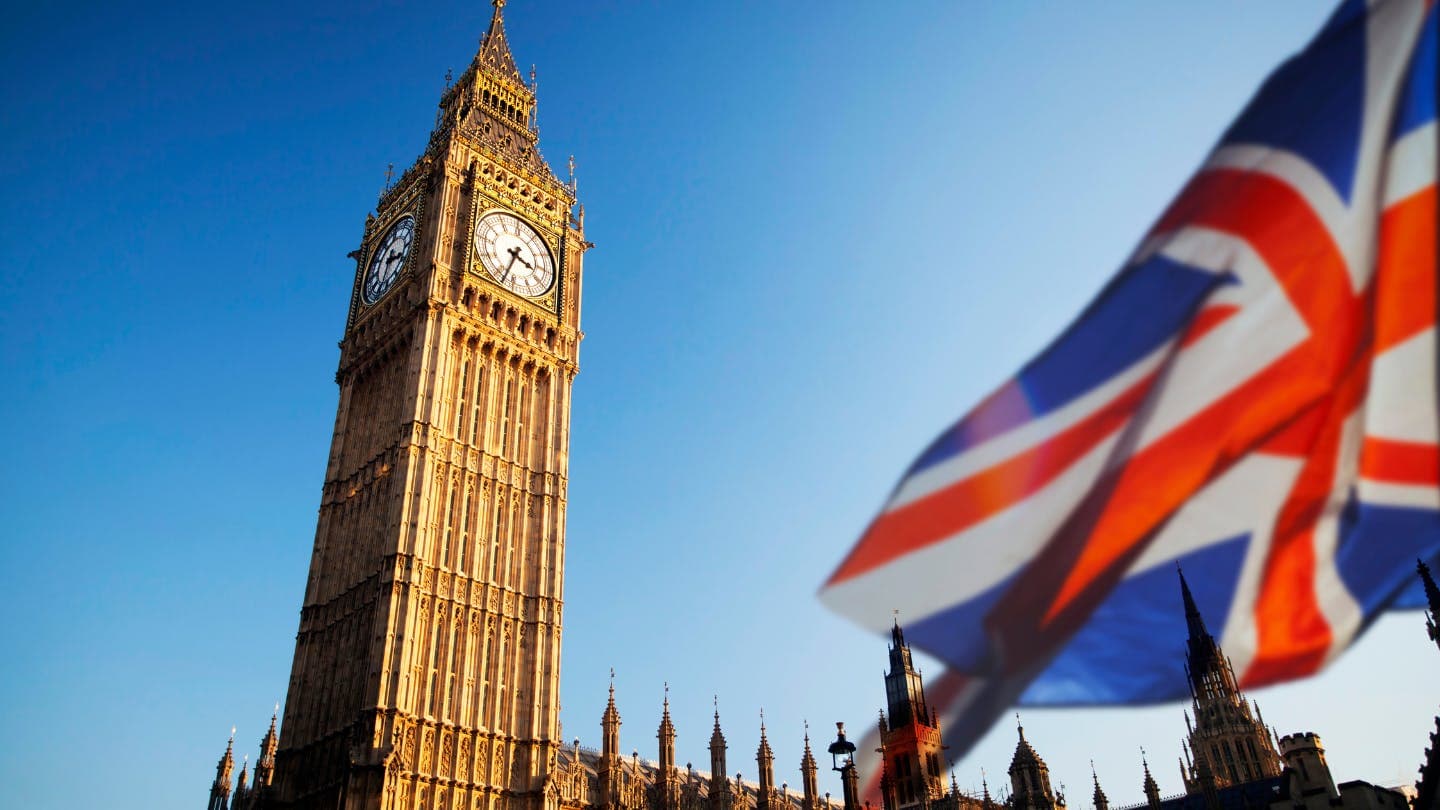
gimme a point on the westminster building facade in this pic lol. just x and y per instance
(1231, 761)
(426, 669)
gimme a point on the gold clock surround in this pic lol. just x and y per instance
(483, 206)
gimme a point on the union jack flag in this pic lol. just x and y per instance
(1253, 396)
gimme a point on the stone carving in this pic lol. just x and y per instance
(391, 448)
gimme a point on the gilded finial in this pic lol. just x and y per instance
(498, 4)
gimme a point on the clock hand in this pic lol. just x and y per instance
(514, 254)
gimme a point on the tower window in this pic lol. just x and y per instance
(495, 545)
(433, 696)
(449, 526)
(505, 418)
(464, 533)
(520, 419)
(463, 392)
(479, 404)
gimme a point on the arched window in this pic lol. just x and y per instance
(463, 397)
(464, 532)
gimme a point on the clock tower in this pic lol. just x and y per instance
(427, 663)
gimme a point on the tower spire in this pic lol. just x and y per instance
(1432, 595)
(808, 770)
(765, 762)
(1192, 613)
(667, 788)
(1030, 777)
(609, 767)
(265, 765)
(719, 782)
(1194, 622)
(610, 724)
(242, 786)
(1223, 718)
(909, 732)
(1152, 788)
(220, 790)
(1102, 802)
(494, 52)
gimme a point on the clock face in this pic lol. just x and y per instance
(389, 259)
(514, 254)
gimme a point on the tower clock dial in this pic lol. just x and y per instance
(389, 259)
(514, 254)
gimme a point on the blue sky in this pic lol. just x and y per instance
(823, 232)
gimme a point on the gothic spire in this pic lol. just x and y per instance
(220, 790)
(717, 756)
(765, 762)
(716, 735)
(1432, 595)
(1030, 777)
(1152, 788)
(1193, 619)
(1203, 651)
(764, 750)
(808, 770)
(494, 54)
(904, 688)
(610, 722)
(1222, 718)
(666, 735)
(265, 765)
(1427, 790)
(1102, 802)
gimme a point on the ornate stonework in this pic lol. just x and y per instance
(431, 622)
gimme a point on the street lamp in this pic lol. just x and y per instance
(842, 753)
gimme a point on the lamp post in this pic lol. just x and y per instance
(842, 753)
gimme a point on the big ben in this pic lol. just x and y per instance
(427, 663)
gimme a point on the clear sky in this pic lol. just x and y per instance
(824, 230)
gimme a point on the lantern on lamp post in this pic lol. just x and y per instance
(842, 753)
